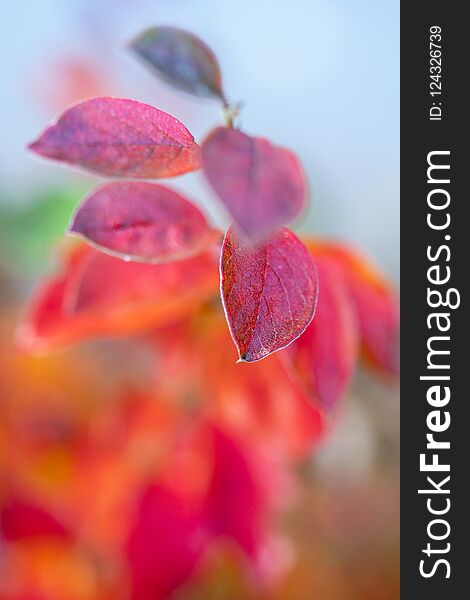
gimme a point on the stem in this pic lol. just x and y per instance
(228, 115)
(231, 112)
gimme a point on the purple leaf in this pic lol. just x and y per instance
(120, 138)
(262, 186)
(142, 221)
(181, 59)
(269, 292)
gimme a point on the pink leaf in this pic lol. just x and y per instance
(324, 357)
(262, 186)
(142, 221)
(120, 138)
(269, 292)
(181, 59)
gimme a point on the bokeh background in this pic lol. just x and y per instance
(318, 76)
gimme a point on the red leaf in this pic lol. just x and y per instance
(374, 302)
(143, 221)
(181, 59)
(164, 544)
(120, 138)
(324, 357)
(172, 530)
(269, 292)
(261, 185)
(20, 519)
(234, 505)
(257, 402)
(102, 295)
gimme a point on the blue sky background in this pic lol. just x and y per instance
(319, 76)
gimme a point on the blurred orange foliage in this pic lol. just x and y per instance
(117, 489)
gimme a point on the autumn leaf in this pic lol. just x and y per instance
(120, 138)
(21, 518)
(269, 292)
(257, 402)
(323, 359)
(142, 221)
(98, 294)
(234, 505)
(261, 185)
(374, 303)
(181, 59)
(176, 531)
(167, 533)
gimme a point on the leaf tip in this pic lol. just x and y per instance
(34, 146)
(72, 230)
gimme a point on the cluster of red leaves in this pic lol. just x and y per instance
(118, 494)
(262, 186)
(153, 265)
(135, 493)
(97, 294)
